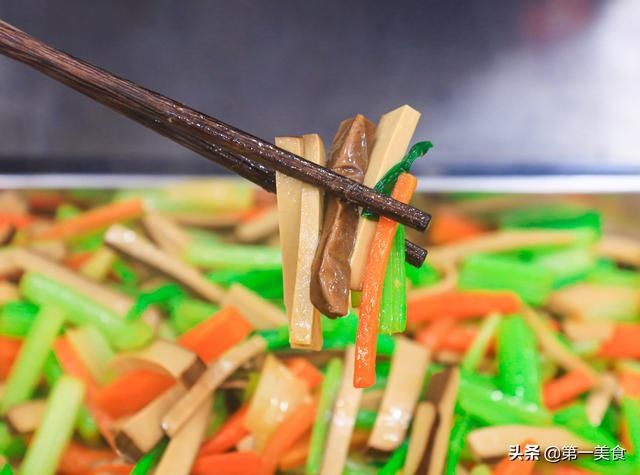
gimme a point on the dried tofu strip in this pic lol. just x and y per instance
(259, 228)
(25, 418)
(553, 348)
(623, 249)
(372, 399)
(595, 302)
(442, 392)
(305, 329)
(215, 374)
(408, 367)
(423, 422)
(393, 135)
(169, 236)
(207, 220)
(498, 241)
(490, 443)
(288, 192)
(8, 292)
(261, 313)
(600, 398)
(138, 434)
(54, 250)
(107, 297)
(128, 242)
(342, 421)
(12, 202)
(182, 364)
(181, 452)
(8, 264)
(6, 234)
(594, 331)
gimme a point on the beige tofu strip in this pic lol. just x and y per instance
(393, 135)
(261, 313)
(259, 228)
(25, 417)
(408, 367)
(183, 448)
(305, 329)
(343, 420)
(423, 421)
(288, 198)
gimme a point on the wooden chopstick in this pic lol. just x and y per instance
(245, 154)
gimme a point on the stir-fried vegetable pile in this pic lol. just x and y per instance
(146, 331)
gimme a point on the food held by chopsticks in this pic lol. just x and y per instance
(152, 340)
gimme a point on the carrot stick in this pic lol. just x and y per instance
(515, 467)
(78, 459)
(9, 349)
(630, 383)
(461, 304)
(132, 391)
(94, 220)
(112, 469)
(296, 456)
(561, 390)
(458, 340)
(16, 220)
(233, 463)
(364, 374)
(72, 365)
(450, 227)
(623, 342)
(306, 371)
(212, 337)
(77, 260)
(231, 432)
(435, 333)
(286, 435)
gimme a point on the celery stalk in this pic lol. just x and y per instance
(230, 256)
(187, 312)
(396, 461)
(480, 344)
(16, 318)
(393, 309)
(55, 429)
(28, 366)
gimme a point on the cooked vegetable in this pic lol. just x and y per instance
(393, 307)
(261, 314)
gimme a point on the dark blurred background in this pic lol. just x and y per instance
(512, 85)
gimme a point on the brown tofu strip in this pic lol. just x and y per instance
(6, 234)
(331, 269)
(182, 364)
(8, 292)
(168, 235)
(442, 392)
(623, 249)
(423, 423)
(25, 417)
(138, 434)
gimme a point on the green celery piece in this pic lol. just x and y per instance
(553, 217)
(277, 338)
(480, 344)
(219, 412)
(574, 418)
(481, 470)
(461, 428)
(489, 272)
(494, 407)
(338, 333)
(393, 307)
(604, 467)
(125, 273)
(86, 426)
(16, 318)
(159, 295)
(353, 467)
(328, 393)
(365, 419)
(615, 277)
(188, 312)
(252, 383)
(396, 461)
(223, 256)
(519, 373)
(422, 276)
(148, 462)
(11, 446)
(265, 282)
(6, 470)
(27, 369)
(67, 211)
(83, 311)
(631, 412)
(55, 429)
(52, 370)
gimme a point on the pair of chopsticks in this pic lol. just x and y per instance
(248, 156)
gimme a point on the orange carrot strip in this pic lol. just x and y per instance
(630, 383)
(623, 342)
(212, 337)
(112, 469)
(297, 455)
(231, 432)
(561, 390)
(450, 227)
(72, 365)
(303, 369)
(435, 333)
(132, 391)
(286, 435)
(515, 467)
(78, 459)
(461, 304)
(9, 349)
(458, 340)
(233, 463)
(77, 260)
(16, 220)
(364, 374)
(94, 220)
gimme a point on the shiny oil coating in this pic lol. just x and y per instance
(331, 270)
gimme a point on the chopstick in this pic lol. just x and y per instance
(245, 154)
